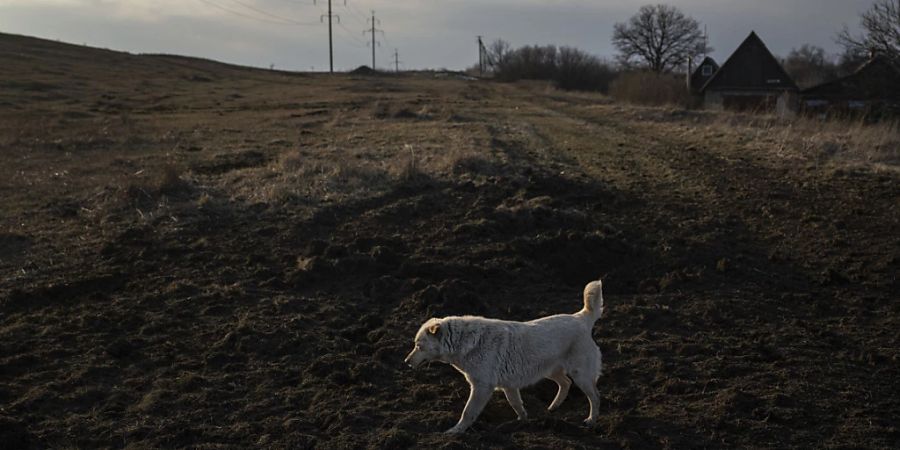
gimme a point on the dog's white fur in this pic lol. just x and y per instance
(506, 355)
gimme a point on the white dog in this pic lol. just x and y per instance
(505, 355)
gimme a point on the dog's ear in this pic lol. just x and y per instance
(434, 329)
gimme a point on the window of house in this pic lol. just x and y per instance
(707, 71)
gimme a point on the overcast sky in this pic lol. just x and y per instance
(427, 33)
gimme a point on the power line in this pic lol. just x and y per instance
(387, 41)
(301, 2)
(246, 16)
(352, 36)
(269, 18)
(257, 10)
(359, 14)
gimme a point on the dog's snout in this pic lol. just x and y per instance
(409, 359)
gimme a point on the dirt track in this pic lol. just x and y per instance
(234, 258)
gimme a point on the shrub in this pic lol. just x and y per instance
(569, 68)
(578, 70)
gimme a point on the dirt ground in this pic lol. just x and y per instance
(199, 255)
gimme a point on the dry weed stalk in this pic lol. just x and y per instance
(819, 140)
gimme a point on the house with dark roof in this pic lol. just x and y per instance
(698, 77)
(751, 79)
(873, 89)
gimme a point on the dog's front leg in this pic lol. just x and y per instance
(478, 398)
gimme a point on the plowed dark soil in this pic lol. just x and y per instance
(200, 255)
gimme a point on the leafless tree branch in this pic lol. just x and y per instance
(659, 37)
(881, 31)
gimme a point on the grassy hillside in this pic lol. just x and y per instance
(197, 254)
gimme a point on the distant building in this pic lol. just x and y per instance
(751, 80)
(701, 75)
(873, 89)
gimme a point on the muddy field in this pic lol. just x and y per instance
(200, 255)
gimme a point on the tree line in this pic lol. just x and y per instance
(660, 39)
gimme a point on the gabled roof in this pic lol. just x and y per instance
(875, 79)
(751, 67)
(706, 61)
(697, 78)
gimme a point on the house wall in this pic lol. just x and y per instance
(848, 107)
(713, 100)
(782, 103)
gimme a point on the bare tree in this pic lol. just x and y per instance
(498, 52)
(659, 37)
(850, 61)
(809, 66)
(881, 31)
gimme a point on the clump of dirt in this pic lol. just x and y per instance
(227, 162)
(14, 434)
(748, 302)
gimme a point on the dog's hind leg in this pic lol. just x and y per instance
(559, 376)
(478, 398)
(515, 400)
(587, 382)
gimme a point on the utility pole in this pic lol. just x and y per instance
(330, 37)
(373, 30)
(705, 41)
(396, 61)
(480, 57)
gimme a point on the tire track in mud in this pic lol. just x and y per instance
(799, 289)
(738, 187)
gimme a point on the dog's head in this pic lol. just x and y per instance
(427, 345)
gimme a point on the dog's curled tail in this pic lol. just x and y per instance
(593, 299)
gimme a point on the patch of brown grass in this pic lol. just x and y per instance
(334, 174)
(339, 173)
(854, 141)
(406, 167)
(647, 88)
(817, 140)
(164, 181)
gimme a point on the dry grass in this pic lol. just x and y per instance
(801, 139)
(647, 88)
(407, 167)
(166, 181)
(301, 175)
(339, 173)
(812, 139)
(375, 151)
(851, 141)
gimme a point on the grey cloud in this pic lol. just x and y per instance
(429, 33)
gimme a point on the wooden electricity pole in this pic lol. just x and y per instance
(480, 56)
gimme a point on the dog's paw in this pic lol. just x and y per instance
(455, 430)
(589, 423)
